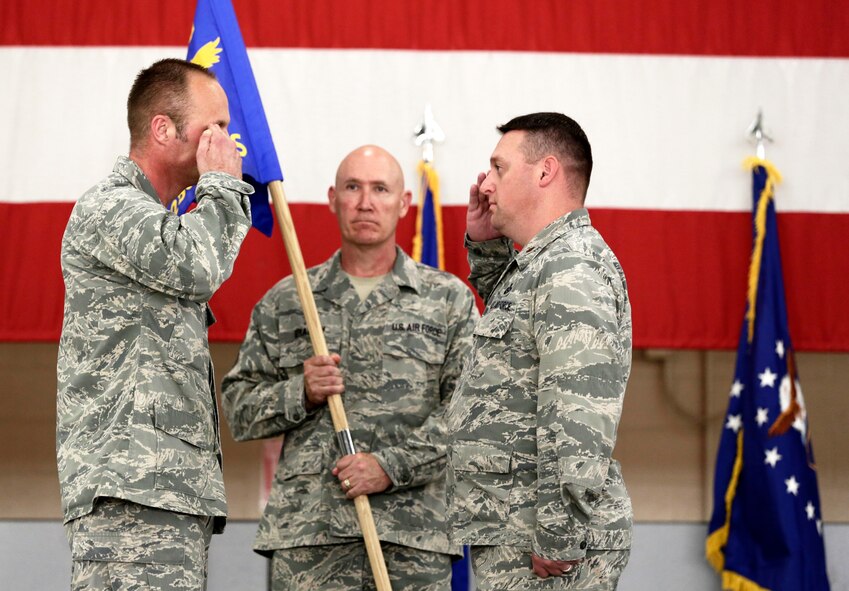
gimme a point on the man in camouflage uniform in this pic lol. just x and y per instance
(532, 486)
(398, 332)
(137, 427)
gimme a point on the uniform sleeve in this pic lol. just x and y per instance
(421, 458)
(260, 398)
(581, 387)
(487, 260)
(186, 256)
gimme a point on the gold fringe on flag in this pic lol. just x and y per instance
(773, 178)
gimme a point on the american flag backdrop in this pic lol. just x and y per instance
(664, 90)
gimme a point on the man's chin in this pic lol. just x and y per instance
(366, 238)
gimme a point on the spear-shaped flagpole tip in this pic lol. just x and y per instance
(757, 133)
(426, 133)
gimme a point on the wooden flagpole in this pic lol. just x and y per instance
(319, 345)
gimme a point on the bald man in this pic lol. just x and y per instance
(398, 332)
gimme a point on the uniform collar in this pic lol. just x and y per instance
(336, 286)
(559, 227)
(136, 177)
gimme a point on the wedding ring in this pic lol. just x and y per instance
(347, 484)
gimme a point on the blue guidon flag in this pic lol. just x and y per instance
(216, 43)
(766, 531)
(428, 247)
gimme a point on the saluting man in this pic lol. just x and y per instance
(137, 426)
(532, 485)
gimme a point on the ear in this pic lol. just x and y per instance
(406, 199)
(331, 199)
(162, 128)
(548, 169)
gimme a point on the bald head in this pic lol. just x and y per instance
(376, 162)
(368, 199)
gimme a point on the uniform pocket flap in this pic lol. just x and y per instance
(494, 324)
(305, 461)
(126, 548)
(589, 473)
(426, 343)
(477, 457)
(295, 353)
(186, 419)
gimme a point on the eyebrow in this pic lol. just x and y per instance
(363, 182)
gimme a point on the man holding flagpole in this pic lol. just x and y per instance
(137, 426)
(398, 332)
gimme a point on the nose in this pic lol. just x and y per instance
(487, 186)
(364, 202)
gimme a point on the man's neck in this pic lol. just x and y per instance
(543, 217)
(160, 176)
(368, 261)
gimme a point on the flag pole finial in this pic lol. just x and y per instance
(757, 132)
(426, 133)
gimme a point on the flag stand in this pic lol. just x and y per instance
(334, 402)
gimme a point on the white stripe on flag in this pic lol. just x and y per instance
(667, 132)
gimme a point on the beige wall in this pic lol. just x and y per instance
(670, 428)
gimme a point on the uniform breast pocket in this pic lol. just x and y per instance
(188, 344)
(493, 327)
(294, 347)
(483, 479)
(490, 363)
(412, 363)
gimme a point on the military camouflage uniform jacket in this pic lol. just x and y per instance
(533, 421)
(136, 417)
(402, 351)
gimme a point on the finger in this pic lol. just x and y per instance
(325, 388)
(540, 571)
(205, 139)
(324, 372)
(554, 569)
(344, 462)
(323, 361)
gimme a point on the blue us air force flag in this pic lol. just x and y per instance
(217, 44)
(427, 243)
(766, 527)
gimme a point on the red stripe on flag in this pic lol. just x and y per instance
(687, 27)
(686, 272)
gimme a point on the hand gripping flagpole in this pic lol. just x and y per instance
(319, 345)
